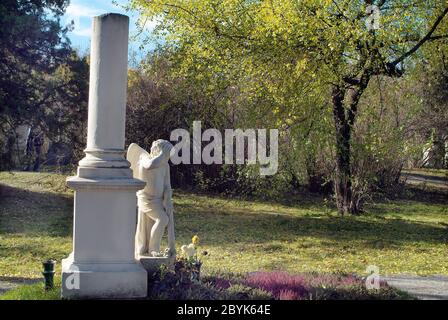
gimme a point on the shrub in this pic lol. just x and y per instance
(241, 292)
(177, 284)
(279, 284)
(313, 286)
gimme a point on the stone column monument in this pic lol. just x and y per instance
(102, 264)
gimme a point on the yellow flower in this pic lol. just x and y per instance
(195, 240)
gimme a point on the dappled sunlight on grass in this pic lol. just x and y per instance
(247, 236)
(301, 235)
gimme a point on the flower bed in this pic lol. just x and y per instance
(179, 284)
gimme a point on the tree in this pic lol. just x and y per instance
(160, 101)
(432, 79)
(43, 83)
(330, 46)
(32, 46)
(63, 117)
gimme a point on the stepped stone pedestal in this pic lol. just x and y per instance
(103, 264)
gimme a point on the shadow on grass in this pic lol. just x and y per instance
(233, 225)
(425, 195)
(10, 283)
(222, 223)
(23, 211)
(300, 200)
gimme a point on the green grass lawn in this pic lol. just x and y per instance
(400, 236)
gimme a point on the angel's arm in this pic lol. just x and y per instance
(168, 205)
(151, 163)
(167, 191)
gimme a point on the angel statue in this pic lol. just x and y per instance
(155, 206)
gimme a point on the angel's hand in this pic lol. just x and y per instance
(145, 162)
(168, 208)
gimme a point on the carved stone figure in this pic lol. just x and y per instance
(155, 206)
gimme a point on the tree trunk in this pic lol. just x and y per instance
(342, 183)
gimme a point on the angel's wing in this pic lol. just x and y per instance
(133, 155)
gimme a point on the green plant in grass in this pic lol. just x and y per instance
(191, 258)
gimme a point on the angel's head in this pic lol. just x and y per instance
(161, 147)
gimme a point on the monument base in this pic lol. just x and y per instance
(103, 280)
(152, 264)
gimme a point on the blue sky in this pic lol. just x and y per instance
(82, 11)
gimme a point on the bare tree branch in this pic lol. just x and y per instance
(423, 40)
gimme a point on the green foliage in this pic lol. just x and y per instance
(160, 101)
(180, 282)
(431, 80)
(287, 50)
(250, 183)
(43, 82)
(32, 46)
(241, 292)
(302, 67)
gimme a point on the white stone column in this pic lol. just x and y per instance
(107, 97)
(102, 264)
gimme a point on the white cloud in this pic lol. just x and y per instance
(82, 11)
(76, 12)
(83, 32)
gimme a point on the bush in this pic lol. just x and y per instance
(314, 286)
(178, 284)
